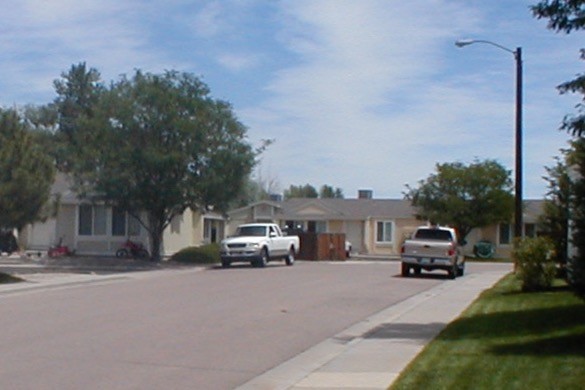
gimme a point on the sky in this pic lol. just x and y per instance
(356, 94)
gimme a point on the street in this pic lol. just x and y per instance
(188, 329)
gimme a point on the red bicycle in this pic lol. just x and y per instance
(59, 250)
(132, 249)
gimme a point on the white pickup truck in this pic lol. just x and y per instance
(258, 243)
(430, 248)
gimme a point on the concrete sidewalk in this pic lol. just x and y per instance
(372, 353)
(44, 273)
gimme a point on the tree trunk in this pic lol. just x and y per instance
(155, 231)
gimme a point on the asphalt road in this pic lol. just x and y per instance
(187, 329)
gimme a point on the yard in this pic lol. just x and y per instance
(507, 340)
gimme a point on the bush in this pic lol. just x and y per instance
(206, 254)
(535, 263)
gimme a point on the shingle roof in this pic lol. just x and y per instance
(349, 209)
(362, 209)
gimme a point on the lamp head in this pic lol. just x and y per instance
(464, 42)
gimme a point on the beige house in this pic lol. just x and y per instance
(373, 226)
(98, 229)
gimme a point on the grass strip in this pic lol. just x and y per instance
(507, 339)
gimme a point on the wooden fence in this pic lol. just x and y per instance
(322, 246)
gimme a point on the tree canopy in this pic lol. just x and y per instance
(26, 174)
(327, 191)
(464, 196)
(309, 191)
(158, 144)
(554, 219)
(566, 16)
(576, 264)
(306, 191)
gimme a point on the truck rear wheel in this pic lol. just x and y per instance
(405, 269)
(290, 258)
(453, 271)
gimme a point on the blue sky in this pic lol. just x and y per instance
(356, 93)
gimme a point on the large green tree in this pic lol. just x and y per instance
(156, 144)
(78, 92)
(576, 263)
(26, 174)
(464, 196)
(567, 16)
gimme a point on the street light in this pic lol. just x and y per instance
(518, 178)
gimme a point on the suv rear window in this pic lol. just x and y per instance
(433, 234)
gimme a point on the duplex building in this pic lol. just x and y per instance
(375, 227)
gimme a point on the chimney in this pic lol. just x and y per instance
(365, 194)
(275, 197)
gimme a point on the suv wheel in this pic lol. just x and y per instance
(461, 269)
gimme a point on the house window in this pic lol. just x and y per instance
(85, 220)
(92, 220)
(100, 218)
(505, 234)
(133, 226)
(529, 230)
(121, 220)
(384, 231)
(317, 226)
(118, 222)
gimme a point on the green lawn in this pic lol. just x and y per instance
(507, 340)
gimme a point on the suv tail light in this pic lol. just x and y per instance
(451, 251)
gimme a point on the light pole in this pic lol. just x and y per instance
(518, 158)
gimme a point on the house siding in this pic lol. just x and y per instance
(66, 225)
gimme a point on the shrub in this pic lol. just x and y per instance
(535, 263)
(206, 254)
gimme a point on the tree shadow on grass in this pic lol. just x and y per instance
(545, 331)
(552, 346)
(513, 323)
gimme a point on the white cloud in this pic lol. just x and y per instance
(361, 96)
(367, 93)
(237, 62)
(209, 21)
